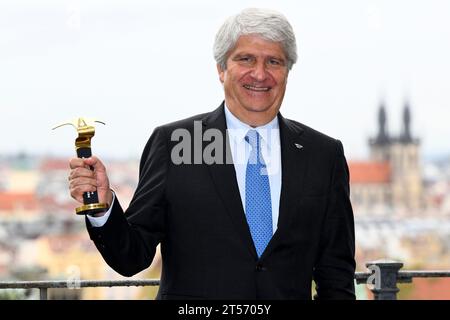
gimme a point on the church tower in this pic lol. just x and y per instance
(402, 153)
(379, 146)
(405, 162)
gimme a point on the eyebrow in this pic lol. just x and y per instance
(243, 54)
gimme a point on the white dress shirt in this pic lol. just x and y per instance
(271, 153)
(100, 221)
(240, 150)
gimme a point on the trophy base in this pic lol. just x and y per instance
(92, 208)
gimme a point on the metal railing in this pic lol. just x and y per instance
(43, 286)
(385, 274)
(382, 280)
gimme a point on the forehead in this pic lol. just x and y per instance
(256, 45)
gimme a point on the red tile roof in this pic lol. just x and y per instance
(369, 172)
(14, 200)
(430, 289)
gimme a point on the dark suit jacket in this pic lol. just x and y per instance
(195, 212)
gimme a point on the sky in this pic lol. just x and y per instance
(139, 64)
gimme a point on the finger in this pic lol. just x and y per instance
(82, 181)
(76, 163)
(77, 192)
(81, 172)
(95, 162)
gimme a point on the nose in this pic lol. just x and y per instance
(259, 72)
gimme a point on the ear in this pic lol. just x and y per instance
(221, 73)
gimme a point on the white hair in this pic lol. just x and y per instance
(268, 24)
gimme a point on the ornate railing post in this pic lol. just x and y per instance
(43, 294)
(384, 279)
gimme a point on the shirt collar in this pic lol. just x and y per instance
(238, 129)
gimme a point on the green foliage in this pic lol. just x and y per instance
(12, 294)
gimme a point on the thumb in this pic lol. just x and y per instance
(95, 162)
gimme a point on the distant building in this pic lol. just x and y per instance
(391, 178)
(15, 205)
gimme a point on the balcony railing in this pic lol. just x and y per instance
(382, 280)
(43, 286)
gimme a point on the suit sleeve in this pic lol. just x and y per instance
(335, 267)
(128, 240)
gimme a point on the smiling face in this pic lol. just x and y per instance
(255, 79)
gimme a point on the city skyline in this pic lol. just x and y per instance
(139, 65)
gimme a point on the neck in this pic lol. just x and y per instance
(252, 118)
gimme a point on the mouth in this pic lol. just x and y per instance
(256, 89)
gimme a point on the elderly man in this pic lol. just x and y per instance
(266, 221)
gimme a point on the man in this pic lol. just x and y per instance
(263, 223)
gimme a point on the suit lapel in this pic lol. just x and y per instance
(293, 162)
(293, 166)
(224, 178)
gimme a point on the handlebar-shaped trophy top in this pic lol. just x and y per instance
(86, 130)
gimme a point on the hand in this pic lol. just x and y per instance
(82, 179)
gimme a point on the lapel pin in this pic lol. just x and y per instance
(298, 146)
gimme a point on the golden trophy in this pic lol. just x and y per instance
(86, 130)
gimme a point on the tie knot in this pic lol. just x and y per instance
(252, 138)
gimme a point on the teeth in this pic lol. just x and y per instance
(256, 88)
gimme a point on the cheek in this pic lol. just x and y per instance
(238, 75)
(246, 78)
(281, 81)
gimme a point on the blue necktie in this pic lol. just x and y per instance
(258, 202)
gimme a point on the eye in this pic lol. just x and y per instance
(275, 62)
(245, 59)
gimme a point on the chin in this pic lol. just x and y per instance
(255, 107)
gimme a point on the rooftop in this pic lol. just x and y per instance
(369, 172)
